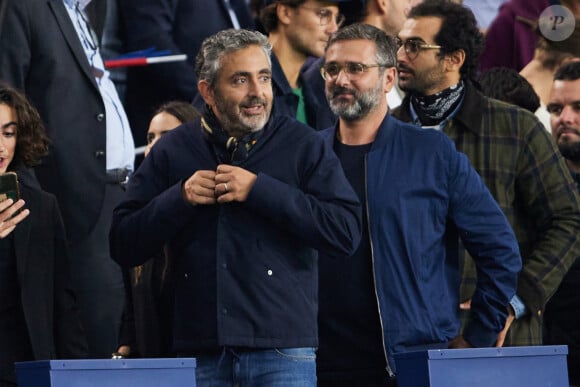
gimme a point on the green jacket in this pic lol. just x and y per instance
(528, 177)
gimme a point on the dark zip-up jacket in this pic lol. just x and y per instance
(246, 274)
(420, 190)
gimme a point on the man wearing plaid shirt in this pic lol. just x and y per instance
(439, 47)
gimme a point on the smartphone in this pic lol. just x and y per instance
(9, 188)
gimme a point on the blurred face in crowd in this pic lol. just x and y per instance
(242, 97)
(8, 134)
(421, 70)
(309, 26)
(395, 14)
(160, 124)
(353, 94)
(564, 108)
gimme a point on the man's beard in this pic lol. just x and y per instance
(420, 82)
(570, 150)
(235, 122)
(361, 105)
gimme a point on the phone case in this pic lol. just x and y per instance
(9, 186)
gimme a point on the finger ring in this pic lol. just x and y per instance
(226, 186)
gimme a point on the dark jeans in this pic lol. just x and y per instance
(283, 367)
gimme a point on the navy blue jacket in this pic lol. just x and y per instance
(246, 274)
(419, 190)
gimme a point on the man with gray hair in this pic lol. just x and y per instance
(242, 200)
(398, 291)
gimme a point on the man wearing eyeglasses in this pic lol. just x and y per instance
(298, 31)
(388, 16)
(439, 47)
(398, 291)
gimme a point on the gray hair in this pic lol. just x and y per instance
(386, 46)
(215, 47)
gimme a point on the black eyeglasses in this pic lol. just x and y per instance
(414, 46)
(326, 16)
(353, 69)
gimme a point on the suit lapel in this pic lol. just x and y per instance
(70, 35)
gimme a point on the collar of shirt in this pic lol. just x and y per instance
(72, 3)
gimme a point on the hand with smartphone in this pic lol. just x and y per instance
(11, 206)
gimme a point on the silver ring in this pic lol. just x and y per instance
(226, 187)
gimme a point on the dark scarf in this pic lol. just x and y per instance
(432, 109)
(228, 150)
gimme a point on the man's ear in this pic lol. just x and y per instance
(455, 60)
(379, 5)
(283, 14)
(206, 92)
(389, 78)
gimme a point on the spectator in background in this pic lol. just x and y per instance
(507, 145)
(511, 37)
(148, 316)
(49, 52)
(509, 86)
(549, 55)
(398, 291)
(242, 200)
(297, 30)
(38, 314)
(562, 317)
(178, 26)
(485, 11)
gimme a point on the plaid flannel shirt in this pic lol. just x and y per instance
(528, 177)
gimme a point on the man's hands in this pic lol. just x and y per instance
(508, 322)
(7, 209)
(226, 184)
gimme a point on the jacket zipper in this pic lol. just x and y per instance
(388, 368)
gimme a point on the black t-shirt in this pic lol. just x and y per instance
(349, 326)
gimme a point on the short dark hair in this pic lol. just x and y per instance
(458, 31)
(183, 111)
(568, 72)
(509, 86)
(268, 16)
(31, 139)
(386, 46)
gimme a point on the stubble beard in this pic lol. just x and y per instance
(362, 104)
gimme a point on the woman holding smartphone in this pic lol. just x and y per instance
(38, 316)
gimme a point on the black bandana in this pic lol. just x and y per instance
(228, 150)
(432, 109)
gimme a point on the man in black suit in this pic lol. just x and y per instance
(49, 51)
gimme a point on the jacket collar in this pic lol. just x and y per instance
(383, 136)
(278, 75)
